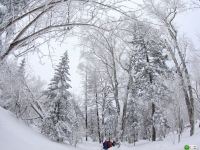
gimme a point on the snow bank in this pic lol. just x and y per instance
(170, 143)
(16, 135)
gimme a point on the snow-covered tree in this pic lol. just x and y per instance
(60, 122)
(149, 67)
(166, 12)
(20, 93)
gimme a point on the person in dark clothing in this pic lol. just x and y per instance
(109, 144)
(105, 145)
(113, 143)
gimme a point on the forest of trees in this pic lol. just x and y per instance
(137, 79)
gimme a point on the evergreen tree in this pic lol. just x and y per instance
(59, 124)
(149, 69)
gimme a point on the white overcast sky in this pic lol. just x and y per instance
(188, 23)
(44, 68)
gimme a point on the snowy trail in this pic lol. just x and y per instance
(16, 135)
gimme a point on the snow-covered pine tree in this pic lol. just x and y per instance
(149, 68)
(59, 123)
(133, 121)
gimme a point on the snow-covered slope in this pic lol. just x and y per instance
(170, 143)
(15, 135)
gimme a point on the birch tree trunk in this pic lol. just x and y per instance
(190, 105)
(188, 102)
(167, 19)
(124, 111)
(187, 89)
(116, 94)
(116, 90)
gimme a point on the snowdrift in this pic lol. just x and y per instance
(15, 135)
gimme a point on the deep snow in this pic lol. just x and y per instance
(15, 135)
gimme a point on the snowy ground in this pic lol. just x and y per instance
(14, 135)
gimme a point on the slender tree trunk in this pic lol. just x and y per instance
(153, 126)
(98, 120)
(116, 91)
(190, 91)
(86, 124)
(103, 121)
(180, 125)
(116, 95)
(97, 107)
(134, 137)
(86, 107)
(188, 99)
(152, 115)
(125, 105)
(152, 104)
(187, 83)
